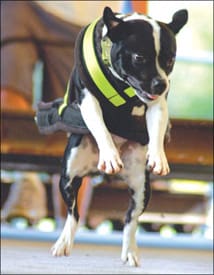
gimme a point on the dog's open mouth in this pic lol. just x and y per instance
(140, 92)
(146, 95)
(149, 96)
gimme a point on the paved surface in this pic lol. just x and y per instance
(33, 257)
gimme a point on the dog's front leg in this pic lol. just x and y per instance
(109, 159)
(157, 120)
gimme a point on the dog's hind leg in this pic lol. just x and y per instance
(138, 180)
(64, 244)
(69, 186)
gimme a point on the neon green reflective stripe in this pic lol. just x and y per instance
(130, 91)
(94, 69)
(65, 101)
(96, 73)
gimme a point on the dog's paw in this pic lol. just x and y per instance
(61, 248)
(130, 257)
(157, 163)
(110, 162)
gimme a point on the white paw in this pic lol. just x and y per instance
(130, 257)
(110, 162)
(157, 163)
(61, 248)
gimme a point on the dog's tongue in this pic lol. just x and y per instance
(153, 97)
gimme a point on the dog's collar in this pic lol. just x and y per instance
(95, 71)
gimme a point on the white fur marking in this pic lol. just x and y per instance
(138, 111)
(64, 244)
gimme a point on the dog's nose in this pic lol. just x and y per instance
(158, 85)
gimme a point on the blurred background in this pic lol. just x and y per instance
(182, 203)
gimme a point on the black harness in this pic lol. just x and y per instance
(91, 70)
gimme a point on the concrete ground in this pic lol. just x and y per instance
(33, 257)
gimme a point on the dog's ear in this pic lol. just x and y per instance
(179, 19)
(114, 25)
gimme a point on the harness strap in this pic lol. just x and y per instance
(65, 100)
(96, 72)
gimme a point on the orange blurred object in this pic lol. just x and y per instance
(140, 6)
(11, 100)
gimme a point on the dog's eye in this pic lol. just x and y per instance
(170, 62)
(139, 58)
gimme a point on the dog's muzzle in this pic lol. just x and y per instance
(149, 90)
(158, 86)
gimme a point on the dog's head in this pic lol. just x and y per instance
(143, 50)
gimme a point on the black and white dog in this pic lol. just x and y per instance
(123, 68)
